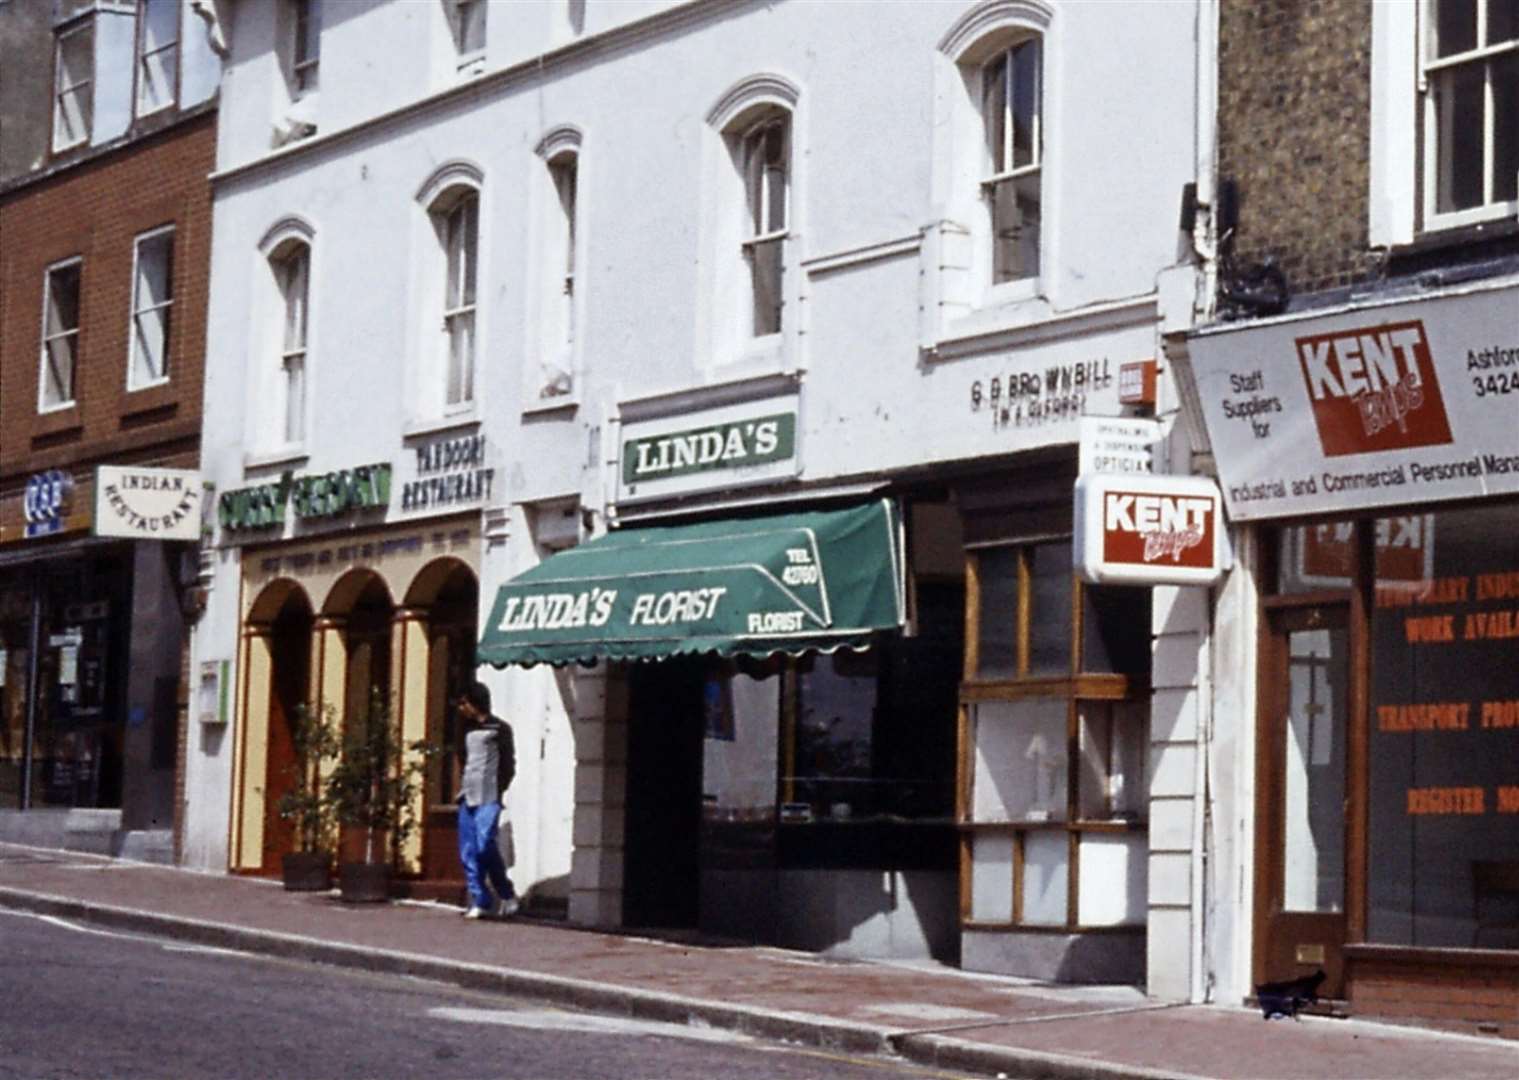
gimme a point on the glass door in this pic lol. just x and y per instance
(1303, 757)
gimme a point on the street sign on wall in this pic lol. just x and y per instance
(147, 504)
(715, 448)
(1396, 404)
(1149, 530)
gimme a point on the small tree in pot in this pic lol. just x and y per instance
(374, 788)
(304, 803)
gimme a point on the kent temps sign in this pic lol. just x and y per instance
(147, 504)
(1155, 530)
(1384, 405)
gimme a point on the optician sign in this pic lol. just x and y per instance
(1149, 530)
(1375, 406)
(147, 504)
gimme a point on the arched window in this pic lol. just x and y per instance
(558, 286)
(284, 363)
(452, 201)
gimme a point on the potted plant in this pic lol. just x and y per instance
(304, 803)
(374, 789)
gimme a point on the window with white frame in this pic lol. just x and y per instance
(1470, 78)
(152, 306)
(467, 19)
(292, 275)
(305, 44)
(73, 85)
(60, 334)
(564, 171)
(458, 222)
(765, 157)
(157, 55)
(1012, 110)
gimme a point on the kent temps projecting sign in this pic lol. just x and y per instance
(147, 504)
(1380, 406)
(1150, 530)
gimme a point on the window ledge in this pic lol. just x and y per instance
(548, 406)
(419, 427)
(1438, 241)
(269, 459)
(150, 398)
(58, 418)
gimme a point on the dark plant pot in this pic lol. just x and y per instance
(307, 871)
(364, 882)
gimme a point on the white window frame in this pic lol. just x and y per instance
(146, 55)
(294, 335)
(304, 67)
(141, 310)
(763, 230)
(564, 171)
(469, 55)
(83, 88)
(1003, 169)
(71, 334)
(1430, 69)
(461, 290)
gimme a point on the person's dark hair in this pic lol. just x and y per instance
(478, 695)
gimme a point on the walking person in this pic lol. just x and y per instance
(488, 763)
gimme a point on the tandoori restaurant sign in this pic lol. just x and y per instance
(722, 447)
(1149, 530)
(318, 495)
(1395, 403)
(147, 504)
(446, 475)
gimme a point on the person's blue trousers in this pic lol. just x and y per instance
(480, 855)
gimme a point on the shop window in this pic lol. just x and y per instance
(1443, 731)
(1011, 111)
(157, 55)
(1054, 791)
(152, 306)
(1470, 77)
(60, 335)
(292, 273)
(765, 150)
(73, 84)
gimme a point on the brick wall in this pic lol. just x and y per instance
(1294, 132)
(96, 211)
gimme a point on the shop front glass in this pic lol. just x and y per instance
(1443, 858)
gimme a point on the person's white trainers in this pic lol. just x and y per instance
(507, 908)
(475, 913)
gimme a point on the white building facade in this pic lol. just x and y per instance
(491, 280)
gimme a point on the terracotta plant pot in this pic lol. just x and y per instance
(306, 871)
(364, 882)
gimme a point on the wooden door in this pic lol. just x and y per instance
(1303, 882)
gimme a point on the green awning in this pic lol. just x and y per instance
(754, 586)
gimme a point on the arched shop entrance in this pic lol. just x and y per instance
(441, 613)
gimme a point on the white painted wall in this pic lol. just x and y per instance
(883, 124)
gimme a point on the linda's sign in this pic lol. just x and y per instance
(147, 504)
(734, 445)
(318, 495)
(1149, 530)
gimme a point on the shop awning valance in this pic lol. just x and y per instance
(752, 586)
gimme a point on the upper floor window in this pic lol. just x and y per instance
(1471, 110)
(468, 22)
(459, 226)
(60, 334)
(73, 85)
(765, 154)
(305, 44)
(157, 55)
(152, 304)
(1011, 110)
(564, 171)
(292, 275)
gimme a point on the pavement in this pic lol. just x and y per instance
(926, 1013)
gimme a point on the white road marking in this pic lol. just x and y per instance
(166, 946)
(552, 1020)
